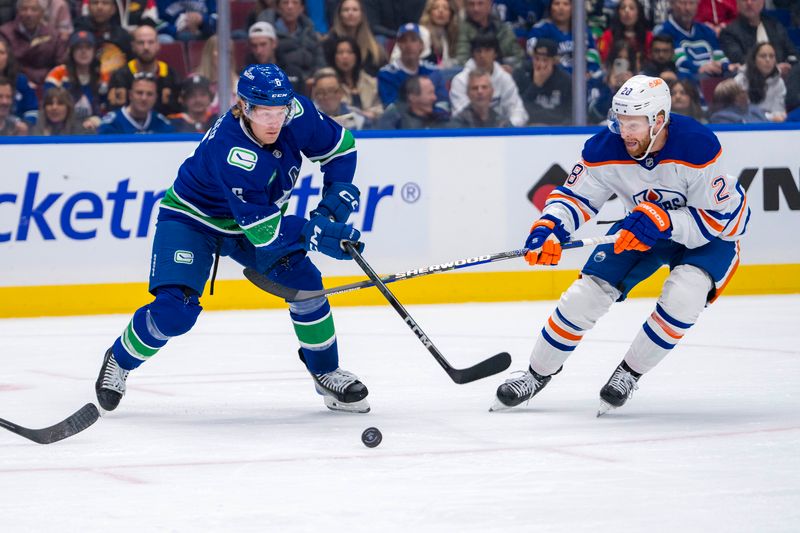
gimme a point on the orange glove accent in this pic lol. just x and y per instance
(548, 254)
(647, 222)
(659, 217)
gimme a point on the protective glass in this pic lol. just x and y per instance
(267, 115)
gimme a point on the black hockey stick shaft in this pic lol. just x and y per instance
(493, 365)
(298, 295)
(72, 425)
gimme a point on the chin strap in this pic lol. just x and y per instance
(652, 141)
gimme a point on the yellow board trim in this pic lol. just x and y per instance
(66, 300)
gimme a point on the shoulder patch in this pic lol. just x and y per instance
(242, 158)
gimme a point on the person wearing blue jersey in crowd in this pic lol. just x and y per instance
(683, 211)
(230, 199)
(138, 116)
(558, 28)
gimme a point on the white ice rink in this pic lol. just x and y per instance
(222, 430)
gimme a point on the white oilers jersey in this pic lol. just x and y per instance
(684, 178)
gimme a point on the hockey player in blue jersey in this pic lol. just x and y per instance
(683, 211)
(230, 199)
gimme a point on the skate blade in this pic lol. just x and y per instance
(498, 406)
(604, 408)
(361, 406)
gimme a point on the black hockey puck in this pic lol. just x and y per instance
(371, 437)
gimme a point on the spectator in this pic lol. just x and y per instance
(328, 97)
(415, 107)
(792, 88)
(733, 107)
(662, 53)
(686, 99)
(716, 14)
(36, 46)
(762, 81)
(262, 10)
(479, 20)
(25, 104)
(57, 115)
(521, 14)
(440, 18)
(208, 70)
(504, 91)
(545, 89)
(83, 80)
(385, 16)
(145, 51)
(349, 20)
(114, 42)
(558, 28)
(139, 116)
(195, 100)
(697, 51)
(299, 51)
(359, 88)
(392, 76)
(10, 125)
(629, 24)
(480, 113)
(262, 42)
(620, 66)
(58, 18)
(752, 26)
(187, 20)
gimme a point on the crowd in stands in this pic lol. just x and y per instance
(70, 67)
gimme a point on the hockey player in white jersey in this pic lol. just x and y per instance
(682, 211)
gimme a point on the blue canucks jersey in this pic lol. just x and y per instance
(120, 121)
(694, 48)
(234, 185)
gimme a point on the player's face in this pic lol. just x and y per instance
(266, 121)
(635, 133)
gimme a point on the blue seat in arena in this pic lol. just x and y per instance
(783, 16)
(794, 35)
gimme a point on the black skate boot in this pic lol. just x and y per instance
(520, 389)
(618, 389)
(110, 384)
(341, 390)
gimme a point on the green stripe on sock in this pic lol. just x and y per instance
(136, 347)
(317, 334)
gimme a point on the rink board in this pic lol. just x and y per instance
(77, 217)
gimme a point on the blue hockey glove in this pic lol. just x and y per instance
(321, 234)
(339, 200)
(542, 247)
(643, 227)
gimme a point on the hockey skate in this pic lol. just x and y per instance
(342, 391)
(520, 388)
(619, 388)
(110, 384)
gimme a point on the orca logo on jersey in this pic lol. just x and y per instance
(666, 199)
(242, 158)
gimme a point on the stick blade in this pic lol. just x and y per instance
(267, 285)
(494, 365)
(72, 425)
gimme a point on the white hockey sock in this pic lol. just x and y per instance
(579, 309)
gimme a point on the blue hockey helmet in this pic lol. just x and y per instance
(265, 85)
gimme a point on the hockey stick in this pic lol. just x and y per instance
(73, 424)
(493, 365)
(298, 295)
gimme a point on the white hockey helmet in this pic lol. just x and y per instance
(640, 96)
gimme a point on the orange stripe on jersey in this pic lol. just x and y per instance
(739, 218)
(668, 330)
(713, 224)
(612, 162)
(561, 331)
(573, 201)
(686, 163)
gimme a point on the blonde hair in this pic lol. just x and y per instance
(451, 30)
(208, 65)
(363, 35)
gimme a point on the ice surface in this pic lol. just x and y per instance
(222, 430)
